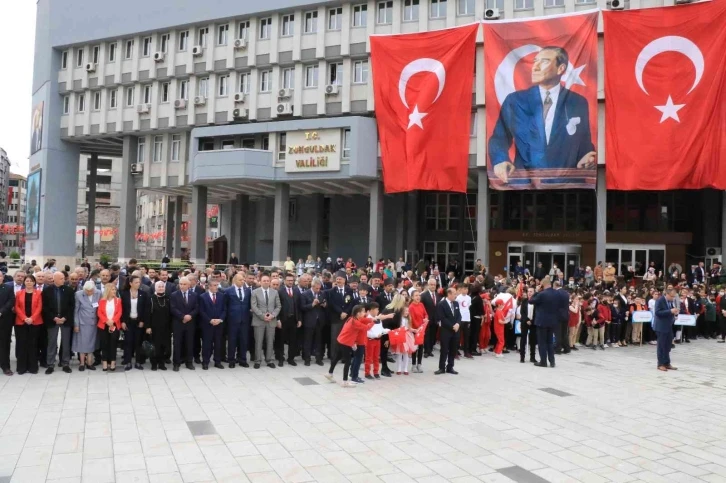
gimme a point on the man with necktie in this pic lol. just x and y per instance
(266, 307)
(340, 303)
(449, 318)
(312, 305)
(7, 321)
(212, 313)
(291, 320)
(238, 298)
(665, 313)
(184, 311)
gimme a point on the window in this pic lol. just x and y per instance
(112, 52)
(97, 101)
(112, 98)
(184, 89)
(472, 129)
(146, 50)
(165, 92)
(158, 147)
(494, 4)
(66, 104)
(360, 15)
(346, 143)
(141, 150)
(288, 25)
(244, 83)
(147, 94)
(183, 40)
(281, 146)
(288, 78)
(265, 28)
(466, 7)
(385, 13)
(129, 96)
(335, 74)
(64, 59)
(437, 9)
(81, 103)
(96, 52)
(223, 86)
(584, 1)
(202, 87)
(222, 31)
(175, 147)
(129, 50)
(311, 22)
(79, 57)
(266, 81)
(243, 30)
(410, 10)
(360, 72)
(335, 18)
(311, 76)
(164, 43)
(554, 3)
(523, 4)
(202, 36)
(265, 145)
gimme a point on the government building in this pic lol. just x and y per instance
(266, 109)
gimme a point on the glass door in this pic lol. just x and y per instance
(573, 262)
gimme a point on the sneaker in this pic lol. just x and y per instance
(593, 347)
(348, 384)
(652, 342)
(358, 380)
(498, 355)
(368, 376)
(329, 377)
(602, 348)
(418, 369)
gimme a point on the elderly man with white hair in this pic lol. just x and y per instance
(85, 320)
(184, 311)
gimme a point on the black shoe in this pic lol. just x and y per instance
(90, 367)
(281, 362)
(154, 367)
(81, 368)
(541, 364)
(176, 368)
(574, 348)
(427, 355)
(291, 362)
(162, 367)
(197, 360)
(257, 366)
(475, 353)
(688, 341)
(231, 365)
(33, 372)
(271, 365)
(377, 376)
(386, 374)
(320, 363)
(218, 365)
(451, 371)
(96, 363)
(67, 369)
(505, 351)
(521, 360)
(552, 365)
(167, 361)
(307, 363)
(127, 367)
(139, 366)
(391, 360)
(439, 372)
(244, 364)
(558, 352)
(49, 370)
(368, 376)
(205, 367)
(190, 366)
(533, 360)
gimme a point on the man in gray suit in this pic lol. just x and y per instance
(266, 306)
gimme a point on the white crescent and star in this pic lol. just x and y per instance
(413, 68)
(670, 43)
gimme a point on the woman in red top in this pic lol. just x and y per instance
(417, 316)
(28, 324)
(109, 325)
(347, 340)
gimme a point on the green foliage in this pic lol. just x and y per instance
(14, 255)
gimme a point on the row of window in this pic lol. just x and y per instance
(208, 144)
(158, 149)
(287, 81)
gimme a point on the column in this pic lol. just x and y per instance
(178, 214)
(482, 217)
(316, 225)
(169, 229)
(91, 183)
(281, 224)
(225, 221)
(601, 220)
(127, 219)
(198, 253)
(412, 226)
(401, 226)
(242, 226)
(375, 236)
(232, 212)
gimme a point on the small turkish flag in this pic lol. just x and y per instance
(665, 103)
(422, 86)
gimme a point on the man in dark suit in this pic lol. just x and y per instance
(665, 315)
(449, 318)
(340, 303)
(383, 299)
(313, 305)
(195, 286)
(59, 303)
(291, 320)
(551, 306)
(7, 320)
(212, 312)
(184, 311)
(429, 299)
(528, 329)
(238, 321)
(548, 123)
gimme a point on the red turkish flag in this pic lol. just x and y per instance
(665, 102)
(422, 86)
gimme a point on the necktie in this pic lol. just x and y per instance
(546, 105)
(355, 296)
(267, 299)
(239, 293)
(214, 298)
(186, 300)
(341, 292)
(289, 292)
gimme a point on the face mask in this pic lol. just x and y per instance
(203, 279)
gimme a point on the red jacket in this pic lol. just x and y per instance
(352, 329)
(363, 334)
(37, 307)
(103, 318)
(605, 312)
(416, 315)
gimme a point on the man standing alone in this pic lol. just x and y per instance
(665, 312)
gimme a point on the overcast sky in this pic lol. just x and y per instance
(17, 37)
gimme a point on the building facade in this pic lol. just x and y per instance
(4, 183)
(16, 201)
(266, 109)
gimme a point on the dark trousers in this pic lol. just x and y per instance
(430, 337)
(614, 333)
(529, 335)
(212, 336)
(183, 341)
(239, 335)
(342, 353)
(313, 340)
(449, 346)
(197, 346)
(665, 340)
(562, 337)
(358, 356)
(384, 354)
(722, 326)
(510, 338)
(132, 342)
(26, 343)
(108, 344)
(546, 345)
(474, 335)
(335, 327)
(465, 333)
(417, 356)
(160, 339)
(289, 332)
(6, 333)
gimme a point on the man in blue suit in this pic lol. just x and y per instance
(212, 312)
(184, 311)
(548, 123)
(237, 298)
(665, 316)
(552, 307)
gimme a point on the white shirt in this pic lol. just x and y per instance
(110, 308)
(464, 304)
(18, 288)
(554, 94)
(505, 297)
(134, 308)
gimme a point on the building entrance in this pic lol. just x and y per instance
(566, 257)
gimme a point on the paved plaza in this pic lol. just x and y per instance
(597, 417)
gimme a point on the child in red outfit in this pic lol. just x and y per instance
(485, 334)
(347, 340)
(373, 341)
(499, 327)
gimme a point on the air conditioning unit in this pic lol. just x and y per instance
(491, 14)
(240, 44)
(239, 113)
(159, 56)
(180, 104)
(143, 108)
(239, 98)
(682, 2)
(284, 108)
(332, 90)
(200, 101)
(713, 251)
(616, 4)
(137, 168)
(284, 94)
(197, 50)
(91, 67)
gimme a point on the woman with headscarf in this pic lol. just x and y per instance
(85, 322)
(159, 324)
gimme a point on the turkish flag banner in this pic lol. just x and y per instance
(665, 101)
(541, 95)
(422, 86)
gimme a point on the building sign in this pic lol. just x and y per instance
(313, 150)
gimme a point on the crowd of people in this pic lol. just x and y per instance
(386, 316)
